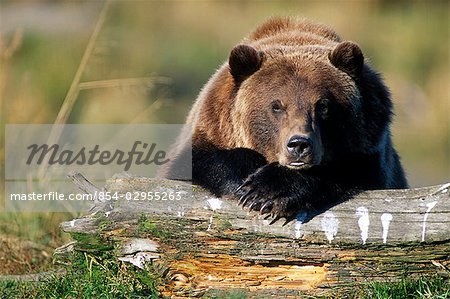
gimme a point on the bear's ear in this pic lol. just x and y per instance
(244, 61)
(348, 57)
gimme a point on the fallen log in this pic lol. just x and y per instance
(197, 242)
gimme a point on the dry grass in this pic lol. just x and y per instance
(19, 256)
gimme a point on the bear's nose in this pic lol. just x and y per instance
(299, 146)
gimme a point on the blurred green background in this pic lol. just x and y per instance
(171, 48)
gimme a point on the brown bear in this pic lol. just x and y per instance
(295, 120)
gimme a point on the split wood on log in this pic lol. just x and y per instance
(198, 242)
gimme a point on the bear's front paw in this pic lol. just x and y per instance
(275, 190)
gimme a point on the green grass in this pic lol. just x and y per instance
(435, 287)
(88, 277)
(105, 277)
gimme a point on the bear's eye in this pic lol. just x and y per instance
(322, 108)
(276, 106)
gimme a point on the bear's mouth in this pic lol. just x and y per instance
(298, 165)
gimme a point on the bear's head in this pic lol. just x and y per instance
(307, 107)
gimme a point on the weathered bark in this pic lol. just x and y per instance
(200, 242)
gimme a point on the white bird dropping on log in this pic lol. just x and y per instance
(297, 229)
(385, 221)
(330, 225)
(429, 206)
(214, 204)
(363, 222)
(300, 219)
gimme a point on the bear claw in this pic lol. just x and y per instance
(266, 207)
(262, 193)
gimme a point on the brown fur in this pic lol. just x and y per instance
(215, 106)
(296, 119)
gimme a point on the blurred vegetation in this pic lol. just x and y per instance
(174, 47)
